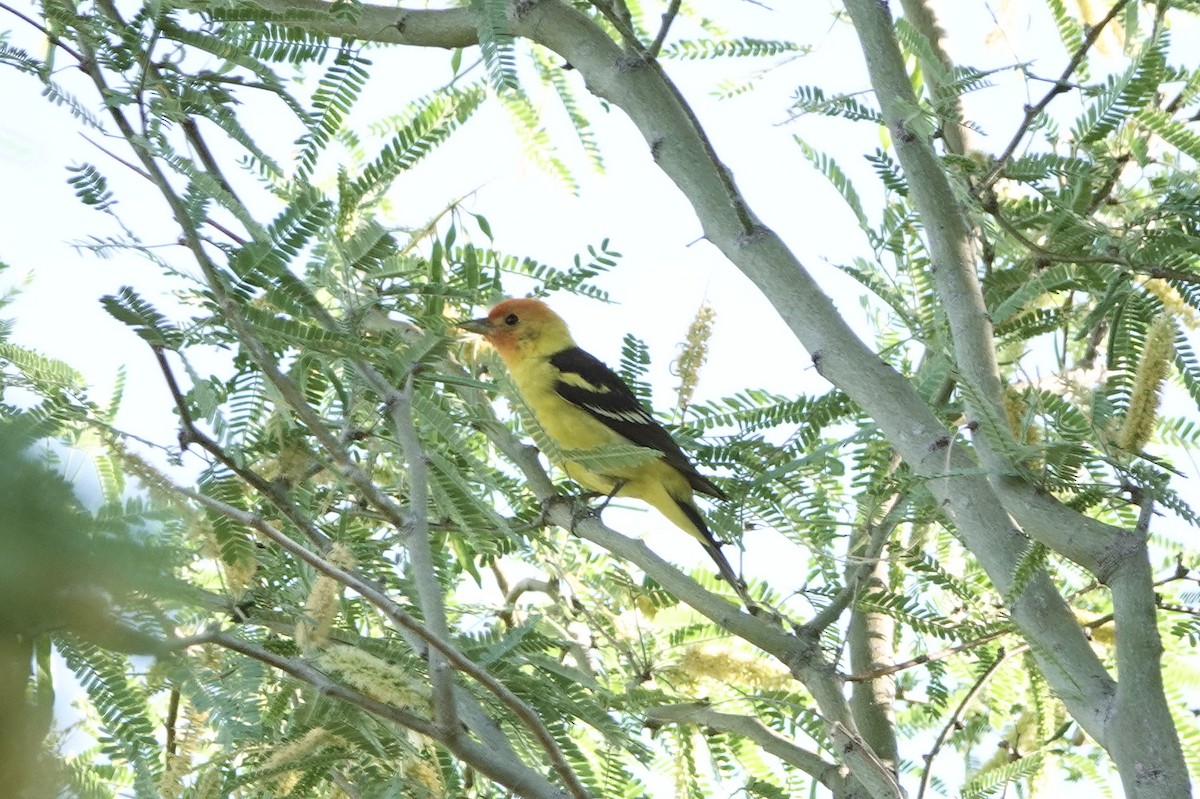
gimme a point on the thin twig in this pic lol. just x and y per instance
(316, 425)
(143, 173)
(317, 679)
(929, 657)
(508, 771)
(1061, 86)
(403, 620)
(50, 37)
(746, 222)
(190, 130)
(667, 18)
(122, 161)
(1160, 272)
(190, 434)
(954, 719)
(867, 558)
(417, 236)
(704, 716)
(1145, 516)
(530, 584)
(172, 719)
(235, 238)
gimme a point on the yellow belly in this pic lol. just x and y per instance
(655, 482)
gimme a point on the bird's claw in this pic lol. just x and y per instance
(578, 507)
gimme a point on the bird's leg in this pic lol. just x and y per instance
(585, 511)
(617, 486)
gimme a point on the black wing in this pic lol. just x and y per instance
(590, 385)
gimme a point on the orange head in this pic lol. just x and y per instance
(522, 328)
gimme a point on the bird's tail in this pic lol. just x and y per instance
(713, 548)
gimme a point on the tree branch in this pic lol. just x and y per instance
(1141, 699)
(306, 673)
(667, 18)
(861, 563)
(955, 718)
(420, 554)
(929, 657)
(402, 620)
(938, 75)
(191, 434)
(871, 634)
(974, 504)
(1061, 86)
(1105, 550)
(801, 653)
(1162, 272)
(50, 37)
(702, 715)
(684, 154)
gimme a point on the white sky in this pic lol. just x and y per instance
(666, 272)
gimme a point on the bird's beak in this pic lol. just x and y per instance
(480, 326)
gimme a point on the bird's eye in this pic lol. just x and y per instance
(511, 319)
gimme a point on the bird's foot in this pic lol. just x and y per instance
(582, 510)
(577, 506)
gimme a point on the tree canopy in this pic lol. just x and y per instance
(351, 575)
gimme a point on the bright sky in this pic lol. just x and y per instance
(667, 271)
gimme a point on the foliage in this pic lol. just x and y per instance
(362, 522)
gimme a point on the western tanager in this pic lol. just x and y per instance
(583, 405)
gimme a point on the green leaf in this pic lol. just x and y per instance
(496, 43)
(129, 307)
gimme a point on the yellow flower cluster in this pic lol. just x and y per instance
(1172, 302)
(375, 677)
(720, 664)
(1015, 408)
(239, 574)
(693, 354)
(1152, 370)
(320, 609)
(299, 749)
(427, 779)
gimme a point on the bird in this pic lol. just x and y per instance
(582, 404)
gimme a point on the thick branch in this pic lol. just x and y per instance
(420, 554)
(938, 75)
(1103, 549)
(702, 715)
(870, 637)
(1139, 725)
(683, 153)
(801, 653)
(1090, 543)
